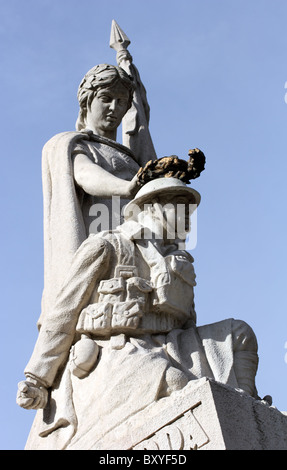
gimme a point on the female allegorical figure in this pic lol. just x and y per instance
(83, 170)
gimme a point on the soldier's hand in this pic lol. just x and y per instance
(30, 396)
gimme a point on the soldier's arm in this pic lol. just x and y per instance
(57, 333)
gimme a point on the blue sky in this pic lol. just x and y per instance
(215, 73)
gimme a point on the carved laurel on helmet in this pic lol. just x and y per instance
(174, 167)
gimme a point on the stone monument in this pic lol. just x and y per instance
(120, 362)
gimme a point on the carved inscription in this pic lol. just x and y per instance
(185, 433)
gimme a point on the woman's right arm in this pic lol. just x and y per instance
(96, 181)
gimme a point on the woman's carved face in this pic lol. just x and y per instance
(107, 109)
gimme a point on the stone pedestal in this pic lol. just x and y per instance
(205, 415)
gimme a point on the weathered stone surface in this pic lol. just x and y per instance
(205, 415)
(122, 333)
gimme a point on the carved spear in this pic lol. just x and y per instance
(118, 40)
(136, 135)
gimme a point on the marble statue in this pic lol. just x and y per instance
(122, 332)
(118, 328)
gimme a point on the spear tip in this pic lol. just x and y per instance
(118, 39)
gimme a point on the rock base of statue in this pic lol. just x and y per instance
(205, 415)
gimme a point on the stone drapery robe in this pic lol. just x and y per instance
(66, 207)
